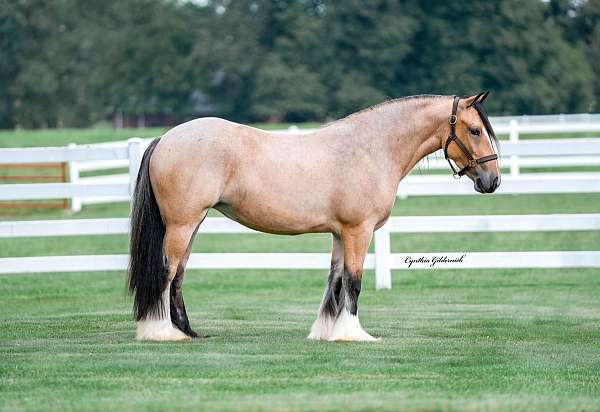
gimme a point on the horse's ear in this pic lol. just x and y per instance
(478, 98)
(470, 101)
(483, 96)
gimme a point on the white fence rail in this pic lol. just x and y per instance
(102, 188)
(383, 261)
(396, 261)
(536, 153)
(547, 119)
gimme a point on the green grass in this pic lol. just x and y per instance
(452, 340)
(494, 340)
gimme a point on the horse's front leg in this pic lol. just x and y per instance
(347, 327)
(328, 310)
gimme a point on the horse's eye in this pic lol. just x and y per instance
(475, 132)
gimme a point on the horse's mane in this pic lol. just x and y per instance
(405, 99)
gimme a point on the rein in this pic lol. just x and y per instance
(452, 137)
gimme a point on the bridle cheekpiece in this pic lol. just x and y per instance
(452, 137)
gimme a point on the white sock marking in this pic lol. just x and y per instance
(321, 328)
(160, 328)
(347, 328)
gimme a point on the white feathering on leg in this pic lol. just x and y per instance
(347, 328)
(321, 328)
(160, 328)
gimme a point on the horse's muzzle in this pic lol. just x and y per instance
(487, 182)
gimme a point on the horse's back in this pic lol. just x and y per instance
(245, 172)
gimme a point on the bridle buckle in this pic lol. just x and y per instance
(452, 119)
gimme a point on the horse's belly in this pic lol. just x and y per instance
(275, 218)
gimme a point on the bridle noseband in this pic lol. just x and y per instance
(452, 137)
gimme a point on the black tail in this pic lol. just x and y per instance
(147, 269)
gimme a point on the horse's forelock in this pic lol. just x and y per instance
(486, 122)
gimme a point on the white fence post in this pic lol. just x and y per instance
(74, 178)
(135, 150)
(383, 273)
(514, 137)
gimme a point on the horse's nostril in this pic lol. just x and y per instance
(496, 183)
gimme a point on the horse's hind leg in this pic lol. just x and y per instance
(175, 244)
(179, 316)
(322, 327)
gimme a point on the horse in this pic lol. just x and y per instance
(340, 179)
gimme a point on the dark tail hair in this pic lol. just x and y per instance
(147, 268)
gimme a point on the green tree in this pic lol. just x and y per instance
(147, 57)
(580, 24)
(370, 40)
(72, 63)
(506, 47)
(44, 65)
(231, 56)
(287, 93)
(588, 22)
(13, 43)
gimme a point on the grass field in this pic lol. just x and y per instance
(493, 340)
(516, 340)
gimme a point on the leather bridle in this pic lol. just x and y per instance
(452, 137)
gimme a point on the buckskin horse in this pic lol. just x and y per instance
(341, 179)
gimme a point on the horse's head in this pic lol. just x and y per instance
(471, 146)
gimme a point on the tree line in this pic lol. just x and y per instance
(72, 63)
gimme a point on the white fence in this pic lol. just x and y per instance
(131, 152)
(383, 261)
(554, 152)
(548, 119)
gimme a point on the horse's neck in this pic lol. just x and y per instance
(402, 133)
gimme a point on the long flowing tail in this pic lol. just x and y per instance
(148, 271)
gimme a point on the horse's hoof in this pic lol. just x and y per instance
(360, 336)
(159, 331)
(191, 333)
(186, 329)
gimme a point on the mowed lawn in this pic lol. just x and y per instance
(450, 340)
